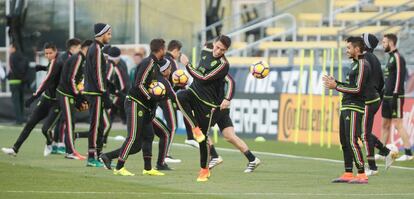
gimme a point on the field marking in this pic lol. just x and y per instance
(293, 156)
(210, 194)
(261, 153)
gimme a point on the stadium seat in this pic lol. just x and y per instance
(314, 17)
(310, 19)
(375, 29)
(245, 61)
(318, 31)
(284, 61)
(401, 16)
(344, 3)
(274, 31)
(238, 45)
(298, 45)
(389, 3)
(354, 16)
(273, 61)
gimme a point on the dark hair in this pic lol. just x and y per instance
(50, 45)
(225, 40)
(356, 42)
(72, 42)
(392, 37)
(174, 44)
(86, 43)
(157, 44)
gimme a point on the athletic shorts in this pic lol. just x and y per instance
(389, 110)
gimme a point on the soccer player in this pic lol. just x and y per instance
(160, 129)
(140, 107)
(392, 106)
(48, 104)
(372, 104)
(70, 97)
(117, 79)
(18, 68)
(95, 90)
(169, 107)
(352, 110)
(73, 46)
(209, 97)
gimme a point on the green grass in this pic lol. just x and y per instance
(30, 175)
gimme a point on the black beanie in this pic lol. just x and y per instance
(101, 28)
(105, 49)
(114, 52)
(370, 41)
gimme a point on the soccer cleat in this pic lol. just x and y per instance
(198, 134)
(48, 150)
(123, 172)
(379, 157)
(164, 167)
(54, 149)
(152, 172)
(106, 161)
(9, 151)
(203, 175)
(192, 143)
(251, 166)
(404, 158)
(361, 178)
(170, 159)
(344, 178)
(370, 172)
(61, 150)
(92, 162)
(75, 156)
(390, 158)
(214, 162)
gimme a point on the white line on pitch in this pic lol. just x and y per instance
(266, 153)
(211, 194)
(293, 156)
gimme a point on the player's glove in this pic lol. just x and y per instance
(40, 68)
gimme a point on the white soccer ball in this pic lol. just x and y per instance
(392, 147)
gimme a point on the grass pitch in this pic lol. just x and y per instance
(287, 171)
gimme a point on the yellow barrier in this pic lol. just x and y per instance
(290, 132)
(321, 137)
(310, 99)
(194, 56)
(302, 56)
(331, 72)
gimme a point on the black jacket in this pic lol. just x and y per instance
(355, 89)
(71, 75)
(116, 77)
(147, 71)
(18, 66)
(395, 72)
(51, 81)
(376, 78)
(95, 70)
(173, 65)
(62, 58)
(211, 83)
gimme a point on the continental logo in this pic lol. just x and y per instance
(310, 118)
